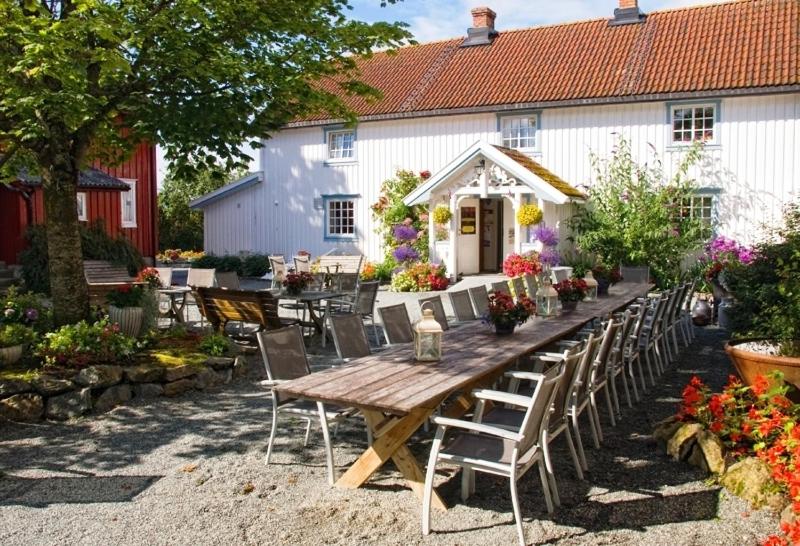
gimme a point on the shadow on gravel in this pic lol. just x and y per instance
(40, 492)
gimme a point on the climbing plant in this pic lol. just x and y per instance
(390, 212)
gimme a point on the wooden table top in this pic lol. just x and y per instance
(393, 382)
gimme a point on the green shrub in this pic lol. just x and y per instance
(96, 244)
(215, 345)
(255, 265)
(15, 334)
(26, 308)
(220, 263)
(83, 344)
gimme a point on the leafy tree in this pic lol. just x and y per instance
(634, 215)
(180, 226)
(86, 80)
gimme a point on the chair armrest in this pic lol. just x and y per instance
(502, 397)
(477, 427)
(529, 376)
(272, 382)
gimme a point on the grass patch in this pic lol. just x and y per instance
(171, 358)
(17, 372)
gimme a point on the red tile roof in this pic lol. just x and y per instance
(739, 45)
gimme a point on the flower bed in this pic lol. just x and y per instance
(420, 277)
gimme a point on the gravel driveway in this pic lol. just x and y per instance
(190, 471)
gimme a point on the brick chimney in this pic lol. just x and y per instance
(628, 13)
(482, 31)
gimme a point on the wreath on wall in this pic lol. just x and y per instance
(529, 215)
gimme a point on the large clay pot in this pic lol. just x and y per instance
(749, 364)
(701, 313)
(10, 355)
(129, 319)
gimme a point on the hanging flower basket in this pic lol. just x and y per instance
(442, 214)
(529, 215)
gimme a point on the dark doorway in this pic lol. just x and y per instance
(491, 239)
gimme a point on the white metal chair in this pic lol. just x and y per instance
(598, 379)
(495, 450)
(198, 278)
(164, 276)
(518, 284)
(532, 284)
(480, 299)
(302, 263)
(501, 286)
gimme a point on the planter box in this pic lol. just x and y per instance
(749, 364)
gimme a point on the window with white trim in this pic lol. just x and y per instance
(519, 133)
(340, 217)
(128, 205)
(701, 207)
(341, 144)
(82, 211)
(692, 122)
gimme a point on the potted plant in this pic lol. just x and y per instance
(125, 308)
(13, 339)
(605, 277)
(517, 265)
(570, 292)
(505, 314)
(765, 312)
(295, 283)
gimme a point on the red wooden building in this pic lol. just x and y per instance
(124, 197)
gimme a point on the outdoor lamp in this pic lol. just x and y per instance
(427, 336)
(546, 299)
(591, 286)
(480, 167)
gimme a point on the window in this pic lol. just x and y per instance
(701, 207)
(129, 205)
(341, 144)
(693, 122)
(82, 216)
(519, 132)
(340, 216)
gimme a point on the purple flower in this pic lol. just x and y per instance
(547, 236)
(405, 253)
(549, 256)
(32, 314)
(404, 233)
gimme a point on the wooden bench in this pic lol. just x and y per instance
(222, 305)
(103, 277)
(340, 264)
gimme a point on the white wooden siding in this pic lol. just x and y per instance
(755, 166)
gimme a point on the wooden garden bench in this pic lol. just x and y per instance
(221, 306)
(102, 277)
(340, 264)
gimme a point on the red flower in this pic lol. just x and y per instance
(760, 385)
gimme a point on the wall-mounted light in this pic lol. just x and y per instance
(480, 167)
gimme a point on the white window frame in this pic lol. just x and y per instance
(337, 155)
(514, 141)
(82, 204)
(697, 203)
(132, 223)
(692, 108)
(340, 222)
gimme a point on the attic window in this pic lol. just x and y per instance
(519, 132)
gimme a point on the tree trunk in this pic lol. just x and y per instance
(67, 282)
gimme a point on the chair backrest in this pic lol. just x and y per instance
(396, 324)
(518, 284)
(635, 274)
(438, 310)
(365, 298)
(560, 274)
(346, 282)
(628, 321)
(537, 415)
(302, 263)
(284, 354)
(462, 306)
(570, 378)
(341, 264)
(680, 296)
(278, 267)
(501, 286)
(200, 277)
(103, 272)
(228, 279)
(165, 276)
(580, 389)
(604, 353)
(636, 332)
(221, 305)
(687, 300)
(349, 336)
(480, 299)
(532, 284)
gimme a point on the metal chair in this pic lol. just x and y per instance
(518, 284)
(494, 450)
(598, 379)
(616, 364)
(649, 337)
(277, 267)
(532, 284)
(198, 278)
(302, 264)
(363, 304)
(480, 299)
(165, 276)
(462, 306)
(228, 279)
(635, 274)
(438, 310)
(396, 324)
(501, 286)
(285, 358)
(349, 336)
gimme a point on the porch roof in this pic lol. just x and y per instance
(543, 182)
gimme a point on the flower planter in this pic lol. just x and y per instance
(504, 328)
(10, 355)
(129, 319)
(749, 361)
(602, 287)
(568, 306)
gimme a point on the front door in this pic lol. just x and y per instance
(491, 235)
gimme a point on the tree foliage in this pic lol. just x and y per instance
(633, 214)
(85, 80)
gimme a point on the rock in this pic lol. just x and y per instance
(207, 378)
(178, 387)
(14, 386)
(144, 373)
(112, 397)
(666, 429)
(25, 407)
(696, 457)
(50, 386)
(147, 390)
(713, 451)
(179, 372)
(240, 366)
(71, 404)
(226, 375)
(788, 515)
(99, 376)
(749, 479)
(220, 362)
(679, 447)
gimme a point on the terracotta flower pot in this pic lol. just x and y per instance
(10, 355)
(129, 319)
(750, 363)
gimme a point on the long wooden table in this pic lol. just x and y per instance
(396, 394)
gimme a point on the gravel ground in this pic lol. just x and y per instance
(191, 471)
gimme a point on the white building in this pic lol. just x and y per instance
(530, 101)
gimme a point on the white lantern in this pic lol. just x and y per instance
(591, 286)
(427, 337)
(546, 299)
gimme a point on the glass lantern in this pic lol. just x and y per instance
(591, 286)
(427, 337)
(546, 299)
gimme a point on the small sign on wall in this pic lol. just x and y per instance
(468, 221)
(511, 236)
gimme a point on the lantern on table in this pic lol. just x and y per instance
(427, 337)
(591, 286)
(546, 299)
